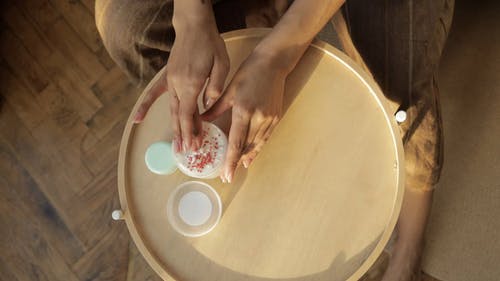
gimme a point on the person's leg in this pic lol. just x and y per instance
(405, 260)
(401, 43)
(138, 35)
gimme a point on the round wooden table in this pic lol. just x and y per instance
(319, 202)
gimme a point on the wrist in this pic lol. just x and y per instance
(192, 14)
(281, 58)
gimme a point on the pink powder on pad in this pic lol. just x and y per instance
(207, 161)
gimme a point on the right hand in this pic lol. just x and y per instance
(198, 53)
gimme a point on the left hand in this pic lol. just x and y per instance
(256, 97)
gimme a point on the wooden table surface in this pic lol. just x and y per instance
(327, 185)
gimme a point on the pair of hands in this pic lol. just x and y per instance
(255, 95)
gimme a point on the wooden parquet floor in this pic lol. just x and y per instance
(63, 108)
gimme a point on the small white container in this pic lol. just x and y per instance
(206, 162)
(194, 208)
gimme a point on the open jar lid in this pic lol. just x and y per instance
(194, 208)
(159, 158)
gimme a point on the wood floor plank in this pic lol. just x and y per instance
(81, 20)
(55, 103)
(28, 255)
(138, 268)
(68, 80)
(65, 152)
(88, 141)
(90, 5)
(6, 272)
(23, 65)
(41, 12)
(61, 37)
(23, 27)
(120, 97)
(20, 98)
(76, 52)
(74, 55)
(45, 130)
(32, 156)
(113, 85)
(38, 72)
(99, 198)
(98, 191)
(20, 188)
(105, 153)
(63, 103)
(105, 58)
(108, 260)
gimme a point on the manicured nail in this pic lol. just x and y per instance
(198, 142)
(175, 143)
(136, 117)
(209, 102)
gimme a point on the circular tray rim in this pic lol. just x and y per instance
(334, 53)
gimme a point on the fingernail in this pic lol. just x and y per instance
(178, 145)
(222, 179)
(245, 164)
(175, 144)
(181, 144)
(136, 117)
(229, 177)
(184, 147)
(198, 143)
(209, 102)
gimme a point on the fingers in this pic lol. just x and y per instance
(261, 137)
(258, 125)
(174, 119)
(216, 81)
(197, 132)
(188, 91)
(236, 142)
(187, 111)
(224, 103)
(158, 88)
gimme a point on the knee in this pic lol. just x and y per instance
(121, 25)
(112, 21)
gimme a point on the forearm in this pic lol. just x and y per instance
(294, 32)
(192, 13)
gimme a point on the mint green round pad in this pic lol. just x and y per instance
(159, 158)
